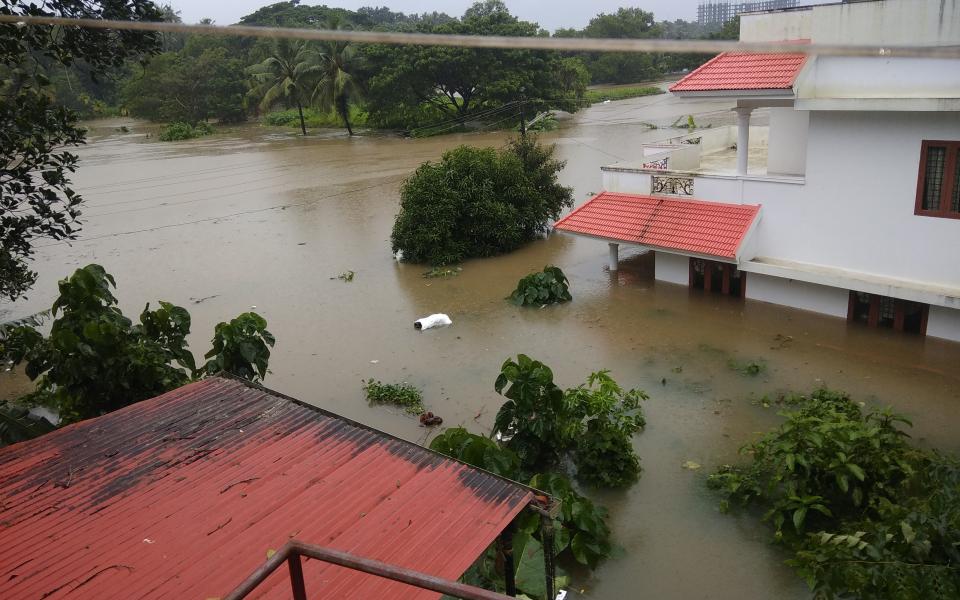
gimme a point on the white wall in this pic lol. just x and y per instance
(944, 323)
(787, 144)
(776, 26)
(854, 210)
(672, 268)
(798, 294)
(892, 22)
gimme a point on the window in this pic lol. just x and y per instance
(938, 185)
(717, 277)
(885, 312)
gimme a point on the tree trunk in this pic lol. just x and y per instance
(303, 125)
(345, 115)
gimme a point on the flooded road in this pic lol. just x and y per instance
(257, 217)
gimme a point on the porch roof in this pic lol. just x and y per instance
(691, 227)
(748, 72)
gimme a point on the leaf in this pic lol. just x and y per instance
(270, 553)
(798, 517)
(908, 533)
(857, 471)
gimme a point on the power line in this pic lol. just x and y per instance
(505, 42)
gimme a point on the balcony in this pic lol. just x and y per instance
(707, 163)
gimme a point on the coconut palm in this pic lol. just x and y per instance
(337, 88)
(289, 75)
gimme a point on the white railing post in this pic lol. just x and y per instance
(743, 138)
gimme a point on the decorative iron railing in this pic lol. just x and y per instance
(671, 185)
(660, 165)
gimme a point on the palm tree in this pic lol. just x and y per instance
(287, 76)
(337, 88)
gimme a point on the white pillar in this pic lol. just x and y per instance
(614, 261)
(743, 138)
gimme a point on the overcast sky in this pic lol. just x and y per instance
(550, 14)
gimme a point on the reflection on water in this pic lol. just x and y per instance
(269, 219)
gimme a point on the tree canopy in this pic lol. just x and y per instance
(36, 197)
(479, 202)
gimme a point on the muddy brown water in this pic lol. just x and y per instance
(259, 217)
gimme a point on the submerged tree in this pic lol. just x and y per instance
(36, 197)
(479, 202)
(338, 87)
(287, 76)
(96, 360)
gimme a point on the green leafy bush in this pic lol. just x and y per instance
(185, 131)
(478, 202)
(478, 451)
(240, 347)
(314, 118)
(403, 395)
(536, 421)
(595, 422)
(96, 360)
(866, 514)
(549, 286)
(604, 453)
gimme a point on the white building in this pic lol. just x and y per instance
(848, 204)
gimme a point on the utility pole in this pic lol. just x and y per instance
(523, 120)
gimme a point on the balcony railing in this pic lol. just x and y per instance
(293, 550)
(671, 185)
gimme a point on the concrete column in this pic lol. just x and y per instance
(743, 138)
(614, 261)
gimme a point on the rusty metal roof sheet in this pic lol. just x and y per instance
(183, 496)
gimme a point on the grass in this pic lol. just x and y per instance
(402, 395)
(314, 118)
(594, 96)
(185, 131)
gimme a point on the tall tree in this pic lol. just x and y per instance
(337, 88)
(289, 75)
(36, 197)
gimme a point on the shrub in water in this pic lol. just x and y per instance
(403, 395)
(550, 286)
(478, 202)
(866, 514)
(185, 131)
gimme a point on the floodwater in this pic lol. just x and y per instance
(259, 217)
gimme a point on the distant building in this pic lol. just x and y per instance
(720, 12)
(847, 204)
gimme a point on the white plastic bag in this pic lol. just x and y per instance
(437, 320)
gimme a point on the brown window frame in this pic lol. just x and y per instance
(950, 181)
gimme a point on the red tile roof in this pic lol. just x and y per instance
(732, 71)
(685, 226)
(182, 496)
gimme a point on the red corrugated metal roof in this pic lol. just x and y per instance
(182, 496)
(732, 71)
(697, 227)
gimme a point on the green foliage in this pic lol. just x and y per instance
(581, 528)
(184, 131)
(549, 286)
(403, 395)
(751, 368)
(604, 453)
(287, 76)
(593, 96)
(240, 347)
(478, 451)
(18, 425)
(866, 514)
(407, 82)
(596, 422)
(199, 82)
(536, 421)
(313, 118)
(96, 360)
(478, 202)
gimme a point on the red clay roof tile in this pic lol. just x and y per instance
(733, 71)
(686, 226)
